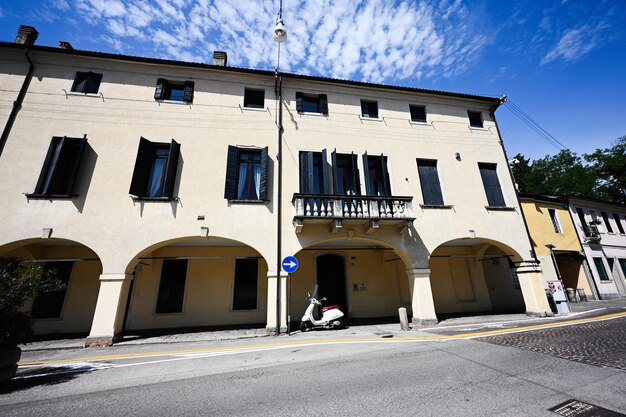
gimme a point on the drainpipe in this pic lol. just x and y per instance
(492, 112)
(279, 93)
(17, 104)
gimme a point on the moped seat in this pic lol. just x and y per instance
(324, 309)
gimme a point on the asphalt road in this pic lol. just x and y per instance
(514, 375)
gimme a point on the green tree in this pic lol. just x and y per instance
(20, 282)
(521, 169)
(609, 167)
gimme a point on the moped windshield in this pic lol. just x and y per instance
(314, 292)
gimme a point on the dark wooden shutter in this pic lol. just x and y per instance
(325, 186)
(356, 181)
(492, 185)
(323, 104)
(142, 169)
(47, 165)
(264, 176)
(429, 181)
(299, 102)
(306, 172)
(369, 186)
(188, 95)
(160, 89)
(386, 182)
(232, 173)
(171, 170)
(72, 151)
(333, 156)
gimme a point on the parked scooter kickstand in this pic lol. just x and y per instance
(331, 316)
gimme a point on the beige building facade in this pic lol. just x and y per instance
(167, 194)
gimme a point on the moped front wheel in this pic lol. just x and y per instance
(337, 324)
(303, 326)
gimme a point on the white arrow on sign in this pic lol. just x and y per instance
(290, 264)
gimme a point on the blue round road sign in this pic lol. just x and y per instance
(290, 264)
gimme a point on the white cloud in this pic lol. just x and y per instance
(574, 44)
(61, 5)
(371, 40)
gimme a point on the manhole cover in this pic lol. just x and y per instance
(575, 408)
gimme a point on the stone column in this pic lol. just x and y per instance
(421, 297)
(533, 290)
(272, 292)
(108, 320)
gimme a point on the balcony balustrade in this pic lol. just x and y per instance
(369, 210)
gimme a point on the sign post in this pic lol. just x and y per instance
(290, 264)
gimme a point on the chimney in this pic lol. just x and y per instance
(220, 58)
(26, 35)
(65, 45)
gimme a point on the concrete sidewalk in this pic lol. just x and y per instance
(585, 309)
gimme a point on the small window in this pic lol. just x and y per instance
(246, 284)
(246, 174)
(48, 305)
(86, 83)
(172, 286)
(155, 170)
(601, 270)
(475, 118)
(618, 222)
(489, 176)
(254, 99)
(60, 167)
(607, 223)
(369, 109)
(418, 113)
(555, 221)
(174, 90)
(429, 180)
(311, 103)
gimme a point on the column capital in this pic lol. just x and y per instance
(116, 277)
(273, 274)
(418, 271)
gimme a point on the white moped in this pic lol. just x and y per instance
(332, 317)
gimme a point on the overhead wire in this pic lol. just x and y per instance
(526, 119)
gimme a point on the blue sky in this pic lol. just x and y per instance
(562, 62)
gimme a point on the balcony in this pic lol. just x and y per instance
(338, 210)
(592, 234)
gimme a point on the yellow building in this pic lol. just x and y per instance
(167, 193)
(554, 238)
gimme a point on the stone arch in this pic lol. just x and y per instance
(71, 309)
(475, 275)
(376, 283)
(196, 282)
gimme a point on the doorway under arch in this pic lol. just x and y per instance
(331, 280)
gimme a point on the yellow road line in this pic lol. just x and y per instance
(322, 341)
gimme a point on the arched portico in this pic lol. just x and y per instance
(367, 279)
(71, 309)
(475, 276)
(184, 282)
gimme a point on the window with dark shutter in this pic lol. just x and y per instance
(311, 103)
(86, 83)
(60, 167)
(155, 170)
(418, 113)
(254, 99)
(489, 176)
(601, 270)
(345, 174)
(475, 118)
(246, 284)
(174, 90)
(429, 181)
(49, 305)
(172, 286)
(369, 109)
(376, 175)
(313, 173)
(607, 223)
(246, 174)
(618, 222)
